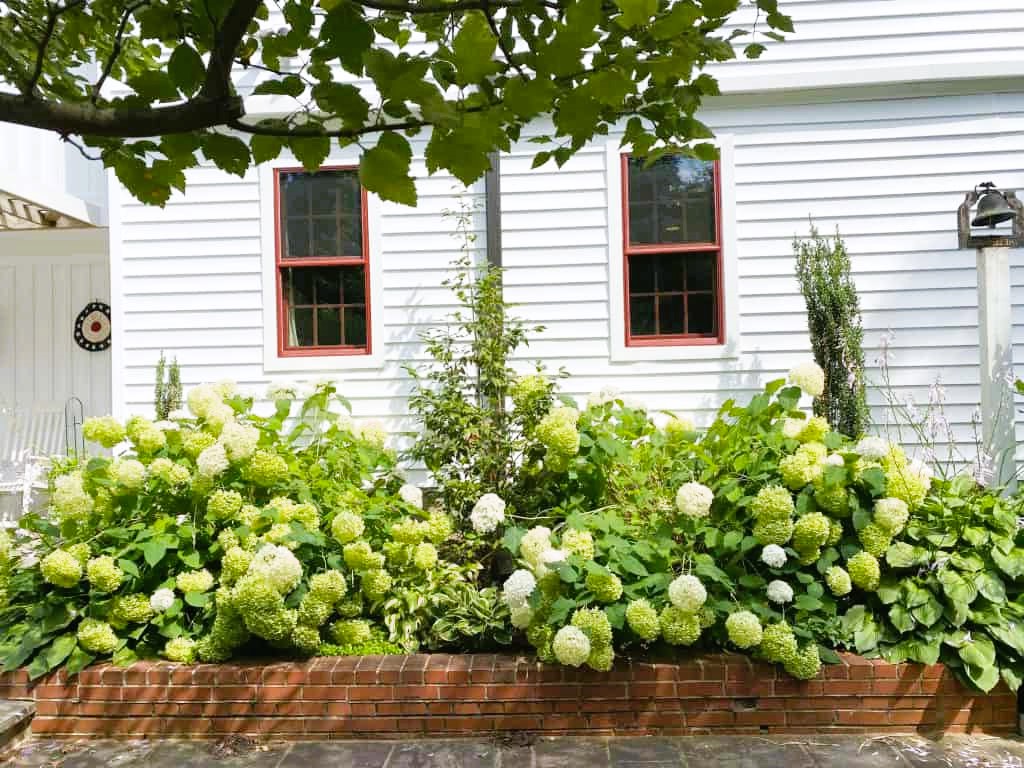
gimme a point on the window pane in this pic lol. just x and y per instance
(671, 314)
(324, 190)
(641, 315)
(671, 272)
(328, 285)
(701, 313)
(300, 330)
(296, 243)
(351, 236)
(353, 286)
(673, 201)
(325, 237)
(641, 274)
(294, 194)
(700, 272)
(298, 286)
(328, 326)
(355, 326)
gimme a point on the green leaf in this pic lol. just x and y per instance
(289, 85)
(511, 539)
(124, 657)
(874, 479)
(956, 587)
(473, 50)
(1012, 564)
(929, 612)
(154, 552)
(980, 651)
(631, 565)
(265, 148)
(807, 603)
(228, 153)
(888, 591)
(192, 559)
(346, 35)
(78, 661)
(60, 649)
(560, 610)
(186, 68)
(754, 50)
(384, 170)
(985, 678)
(635, 12)
(129, 567)
(311, 151)
(529, 98)
(991, 587)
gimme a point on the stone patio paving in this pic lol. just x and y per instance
(525, 752)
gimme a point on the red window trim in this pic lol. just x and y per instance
(283, 350)
(677, 340)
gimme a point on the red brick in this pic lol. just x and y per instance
(690, 689)
(761, 718)
(860, 717)
(663, 690)
(889, 687)
(326, 692)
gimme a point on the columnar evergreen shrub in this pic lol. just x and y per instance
(167, 392)
(833, 319)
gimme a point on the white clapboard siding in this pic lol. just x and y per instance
(889, 173)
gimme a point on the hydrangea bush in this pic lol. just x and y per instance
(631, 533)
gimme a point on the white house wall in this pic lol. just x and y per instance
(889, 173)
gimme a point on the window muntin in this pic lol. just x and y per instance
(672, 251)
(322, 259)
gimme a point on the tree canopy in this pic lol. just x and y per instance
(148, 85)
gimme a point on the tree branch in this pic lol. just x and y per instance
(54, 14)
(87, 120)
(116, 50)
(305, 131)
(226, 41)
(398, 6)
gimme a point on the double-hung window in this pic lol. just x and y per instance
(322, 259)
(672, 242)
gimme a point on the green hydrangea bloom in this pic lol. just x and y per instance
(351, 606)
(891, 515)
(810, 532)
(643, 620)
(571, 646)
(874, 539)
(127, 474)
(262, 609)
(805, 664)
(80, 552)
(329, 586)
(306, 639)
(814, 430)
(679, 627)
(906, 485)
(557, 432)
(306, 514)
(194, 581)
(314, 611)
(208, 650)
(105, 430)
(862, 465)
(409, 531)
(806, 557)
(527, 390)
(148, 440)
(607, 587)
(131, 609)
(359, 556)
(375, 583)
(773, 531)
(350, 631)
(248, 514)
(439, 527)
(744, 629)
(61, 568)
(799, 470)
(175, 475)
(234, 564)
(864, 571)
(838, 581)
(224, 505)
(424, 556)
(540, 637)
(347, 527)
(266, 469)
(181, 650)
(707, 616)
(103, 574)
(835, 500)
(835, 533)
(577, 542)
(601, 658)
(677, 430)
(194, 442)
(97, 637)
(773, 502)
(595, 625)
(778, 642)
(227, 539)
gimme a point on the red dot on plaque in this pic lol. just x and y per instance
(95, 327)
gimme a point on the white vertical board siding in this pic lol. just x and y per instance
(46, 278)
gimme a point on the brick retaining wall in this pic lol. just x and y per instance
(383, 696)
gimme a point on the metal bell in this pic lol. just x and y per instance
(992, 208)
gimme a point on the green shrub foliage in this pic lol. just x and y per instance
(833, 318)
(224, 533)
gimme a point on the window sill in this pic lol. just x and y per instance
(322, 363)
(678, 352)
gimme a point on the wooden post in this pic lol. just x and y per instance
(995, 332)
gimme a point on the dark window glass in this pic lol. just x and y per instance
(641, 274)
(327, 306)
(701, 313)
(672, 294)
(641, 316)
(321, 214)
(700, 272)
(355, 326)
(353, 285)
(671, 272)
(671, 314)
(672, 201)
(299, 286)
(328, 326)
(301, 330)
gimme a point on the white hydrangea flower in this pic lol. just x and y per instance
(809, 377)
(534, 544)
(521, 616)
(225, 388)
(518, 588)
(202, 399)
(278, 566)
(835, 460)
(373, 432)
(694, 499)
(687, 593)
(239, 441)
(128, 473)
(412, 495)
(793, 427)
(282, 390)
(212, 461)
(549, 557)
(488, 513)
(603, 396)
(219, 416)
(773, 556)
(921, 469)
(179, 414)
(780, 592)
(872, 447)
(168, 426)
(570, 646)
(161, 600)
